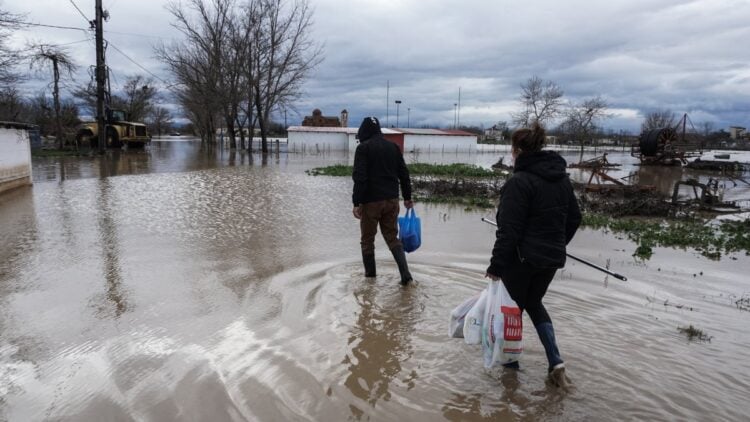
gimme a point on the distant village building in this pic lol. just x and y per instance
(494, 133)
(319, 120)
(737, 132)
(323, 139)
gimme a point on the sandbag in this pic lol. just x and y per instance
(410, 230)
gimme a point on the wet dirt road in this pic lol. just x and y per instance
(187, 288)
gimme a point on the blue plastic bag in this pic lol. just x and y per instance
(410, 230)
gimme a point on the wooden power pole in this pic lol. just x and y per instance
(100, 78)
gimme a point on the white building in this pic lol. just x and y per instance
(15, 156)
(737, 132)
(321, 139)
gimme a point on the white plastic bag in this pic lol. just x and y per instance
(473, 320)
(458, 315)
(502, 327)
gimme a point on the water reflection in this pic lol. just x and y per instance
(382, 334)
(111, 251)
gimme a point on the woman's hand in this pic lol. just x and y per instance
(492, 277)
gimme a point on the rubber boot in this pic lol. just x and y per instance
(403, 267)
(547, 336)
(369, 261)
(556, 371)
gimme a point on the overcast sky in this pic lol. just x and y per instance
(640, 55)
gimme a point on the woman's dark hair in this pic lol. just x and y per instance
(528, 139)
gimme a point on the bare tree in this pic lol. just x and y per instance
(658, 119)
(581, 119)
(61, 63)
(159, 119)
(196, 62)
(9, 57)
(541, 101)
(85, 96)
(284, 56)
(12, 105)
(706, 128)
(138, 95)
(237, 64)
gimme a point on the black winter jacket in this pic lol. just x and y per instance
(379, 168)
(538, 214)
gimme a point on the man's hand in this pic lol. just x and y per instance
(408, 204)
(492, 277)
(357, 212)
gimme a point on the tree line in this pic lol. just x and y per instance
(581, 122)
(59, 115)
(239, 63)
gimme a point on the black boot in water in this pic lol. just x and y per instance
(403, 267)
(369, 261)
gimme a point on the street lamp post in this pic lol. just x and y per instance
(408, 114)
(398, 103)
(455, 114)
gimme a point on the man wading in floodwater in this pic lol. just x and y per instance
(537, 217)
(379, 168)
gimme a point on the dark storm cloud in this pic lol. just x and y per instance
(640, 55)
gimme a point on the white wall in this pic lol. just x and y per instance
(15, 158)
(440, 143)
(317, 141)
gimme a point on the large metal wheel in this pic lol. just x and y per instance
(85, 137)
(653, 142)
(113, 141)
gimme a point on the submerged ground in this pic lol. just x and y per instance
(182, 284)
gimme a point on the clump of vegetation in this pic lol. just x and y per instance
(415, 169)
(693, 333)
(710, 240)
(476, 187)
(452, 170)
(339, 170)
(743, 303)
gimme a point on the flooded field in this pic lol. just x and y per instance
(181, 284)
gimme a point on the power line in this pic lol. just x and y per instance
(79, 10)
(109, 43)
(133, 35)
(53, 26)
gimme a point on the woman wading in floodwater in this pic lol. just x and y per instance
(537, 216)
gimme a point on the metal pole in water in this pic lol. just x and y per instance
(582, 261)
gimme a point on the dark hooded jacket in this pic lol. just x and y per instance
(379, 169)
(538, 214)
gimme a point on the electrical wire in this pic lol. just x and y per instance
(53, 26)
(79, 10)
(136, 63)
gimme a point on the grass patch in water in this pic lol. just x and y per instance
(415, 169)
(469, 201)
(711, 240)
(693, 333)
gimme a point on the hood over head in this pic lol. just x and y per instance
(370, 127)
(548, 165)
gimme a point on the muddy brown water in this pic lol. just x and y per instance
(186, 287)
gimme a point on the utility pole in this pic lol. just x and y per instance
(100, 77)
(398, 103)
(387, 100)
(458, 110)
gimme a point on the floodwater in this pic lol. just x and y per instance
(181, 284)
